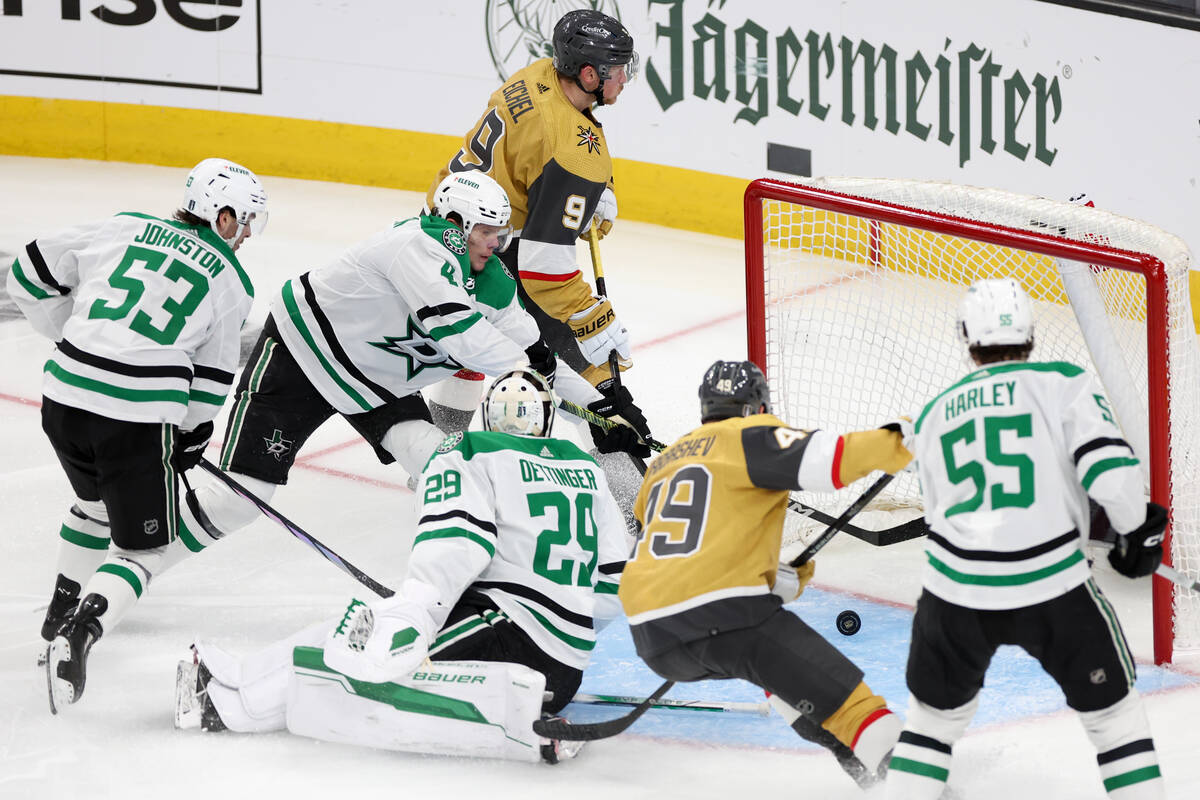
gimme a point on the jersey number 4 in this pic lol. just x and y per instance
(1021, 426)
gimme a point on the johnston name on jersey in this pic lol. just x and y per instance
(531, 523)
(399, 311)
(712, 508)
(1007, 458)
(146, 313)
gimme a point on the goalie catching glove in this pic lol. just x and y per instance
(1139, 552)
(631, 428)
(598, 332)
(385, 640)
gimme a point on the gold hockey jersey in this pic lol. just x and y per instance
(712, 507)
(553, 162)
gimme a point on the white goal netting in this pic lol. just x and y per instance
(856, 321)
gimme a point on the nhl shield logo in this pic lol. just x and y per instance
(1098, 676)
(150, 526)
(455, 241)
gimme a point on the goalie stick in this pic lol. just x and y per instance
(591, 731)
(295, 530)
(712, 706)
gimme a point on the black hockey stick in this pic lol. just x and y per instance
(912, 529)
(590, 731)
(295, 530)
(607, 424)
(840, 523)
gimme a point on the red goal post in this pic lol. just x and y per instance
(850, 277)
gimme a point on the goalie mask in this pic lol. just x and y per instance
(733, 389)
(519, 402)
(477, 200)
(215, 184)
(995, 312)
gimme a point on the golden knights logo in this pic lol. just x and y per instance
(588, 138)
(520, 32)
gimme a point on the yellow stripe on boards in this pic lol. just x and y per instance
(327, 151)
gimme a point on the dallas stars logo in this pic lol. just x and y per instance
(454, 240)
(418, 349)
(587, 138)
(277, 445)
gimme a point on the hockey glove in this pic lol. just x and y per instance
(1139, 552)
(605, 214)
(382, 642)
(626, 436)
(542, 360)
(189, 446)
(790, 581)
(598, 332)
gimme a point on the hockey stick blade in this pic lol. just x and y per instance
(1176, 577)
(591, 731)
(295, 530)
(912, 529)
(712, 706)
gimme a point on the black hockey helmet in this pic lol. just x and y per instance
(733, 389)
(587, 37)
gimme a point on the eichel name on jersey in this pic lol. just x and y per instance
(146, 313)
(992, 442)
(712, 510)
(546, 543)
(382, 321)
(554, 164)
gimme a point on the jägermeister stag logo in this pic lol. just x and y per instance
(520, 32)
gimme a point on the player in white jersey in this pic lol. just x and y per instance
(145, 313)
(1008, 458)
(362, 336)
(517, 559)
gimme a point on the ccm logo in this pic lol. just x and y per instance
(142, 12)
(596, 324)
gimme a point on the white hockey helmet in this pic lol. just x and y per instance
(217, 183)
(995, 312)
(476, 198)
(519, 402)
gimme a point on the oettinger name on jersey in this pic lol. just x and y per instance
(418, 349)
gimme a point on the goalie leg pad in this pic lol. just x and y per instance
(467, 708)
(1125, 750)
(920, 763)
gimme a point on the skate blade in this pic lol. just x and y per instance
(188, 711)
(61, 692)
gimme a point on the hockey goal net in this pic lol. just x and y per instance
(852, 290)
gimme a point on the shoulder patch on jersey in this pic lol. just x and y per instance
(588, 139)
(450, 442)
(455, 241)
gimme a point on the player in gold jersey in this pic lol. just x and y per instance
(541, 141)
(704, 588)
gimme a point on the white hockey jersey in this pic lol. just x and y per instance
(146, 313)
(529, 522)
(400, 311)
(1007, 458)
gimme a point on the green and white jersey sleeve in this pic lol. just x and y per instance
(146, 313)
(395, 313)
(1007, 458)
(529, 522)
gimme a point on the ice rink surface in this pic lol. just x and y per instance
(681, 295)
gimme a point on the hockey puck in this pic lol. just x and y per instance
(848, 623)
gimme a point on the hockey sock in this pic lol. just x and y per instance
(1125, 750)
(122, 579)
(83, 540)
(920, 762)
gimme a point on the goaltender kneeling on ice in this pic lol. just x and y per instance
(482, 638)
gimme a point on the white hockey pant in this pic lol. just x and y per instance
(412, 443)
(1125, 750)
(465, 708)
(920, 762)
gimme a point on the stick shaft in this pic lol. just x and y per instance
(761, 709)
(295, 530)
(1178, 578)
(847, 515)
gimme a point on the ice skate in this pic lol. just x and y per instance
(66, 662)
